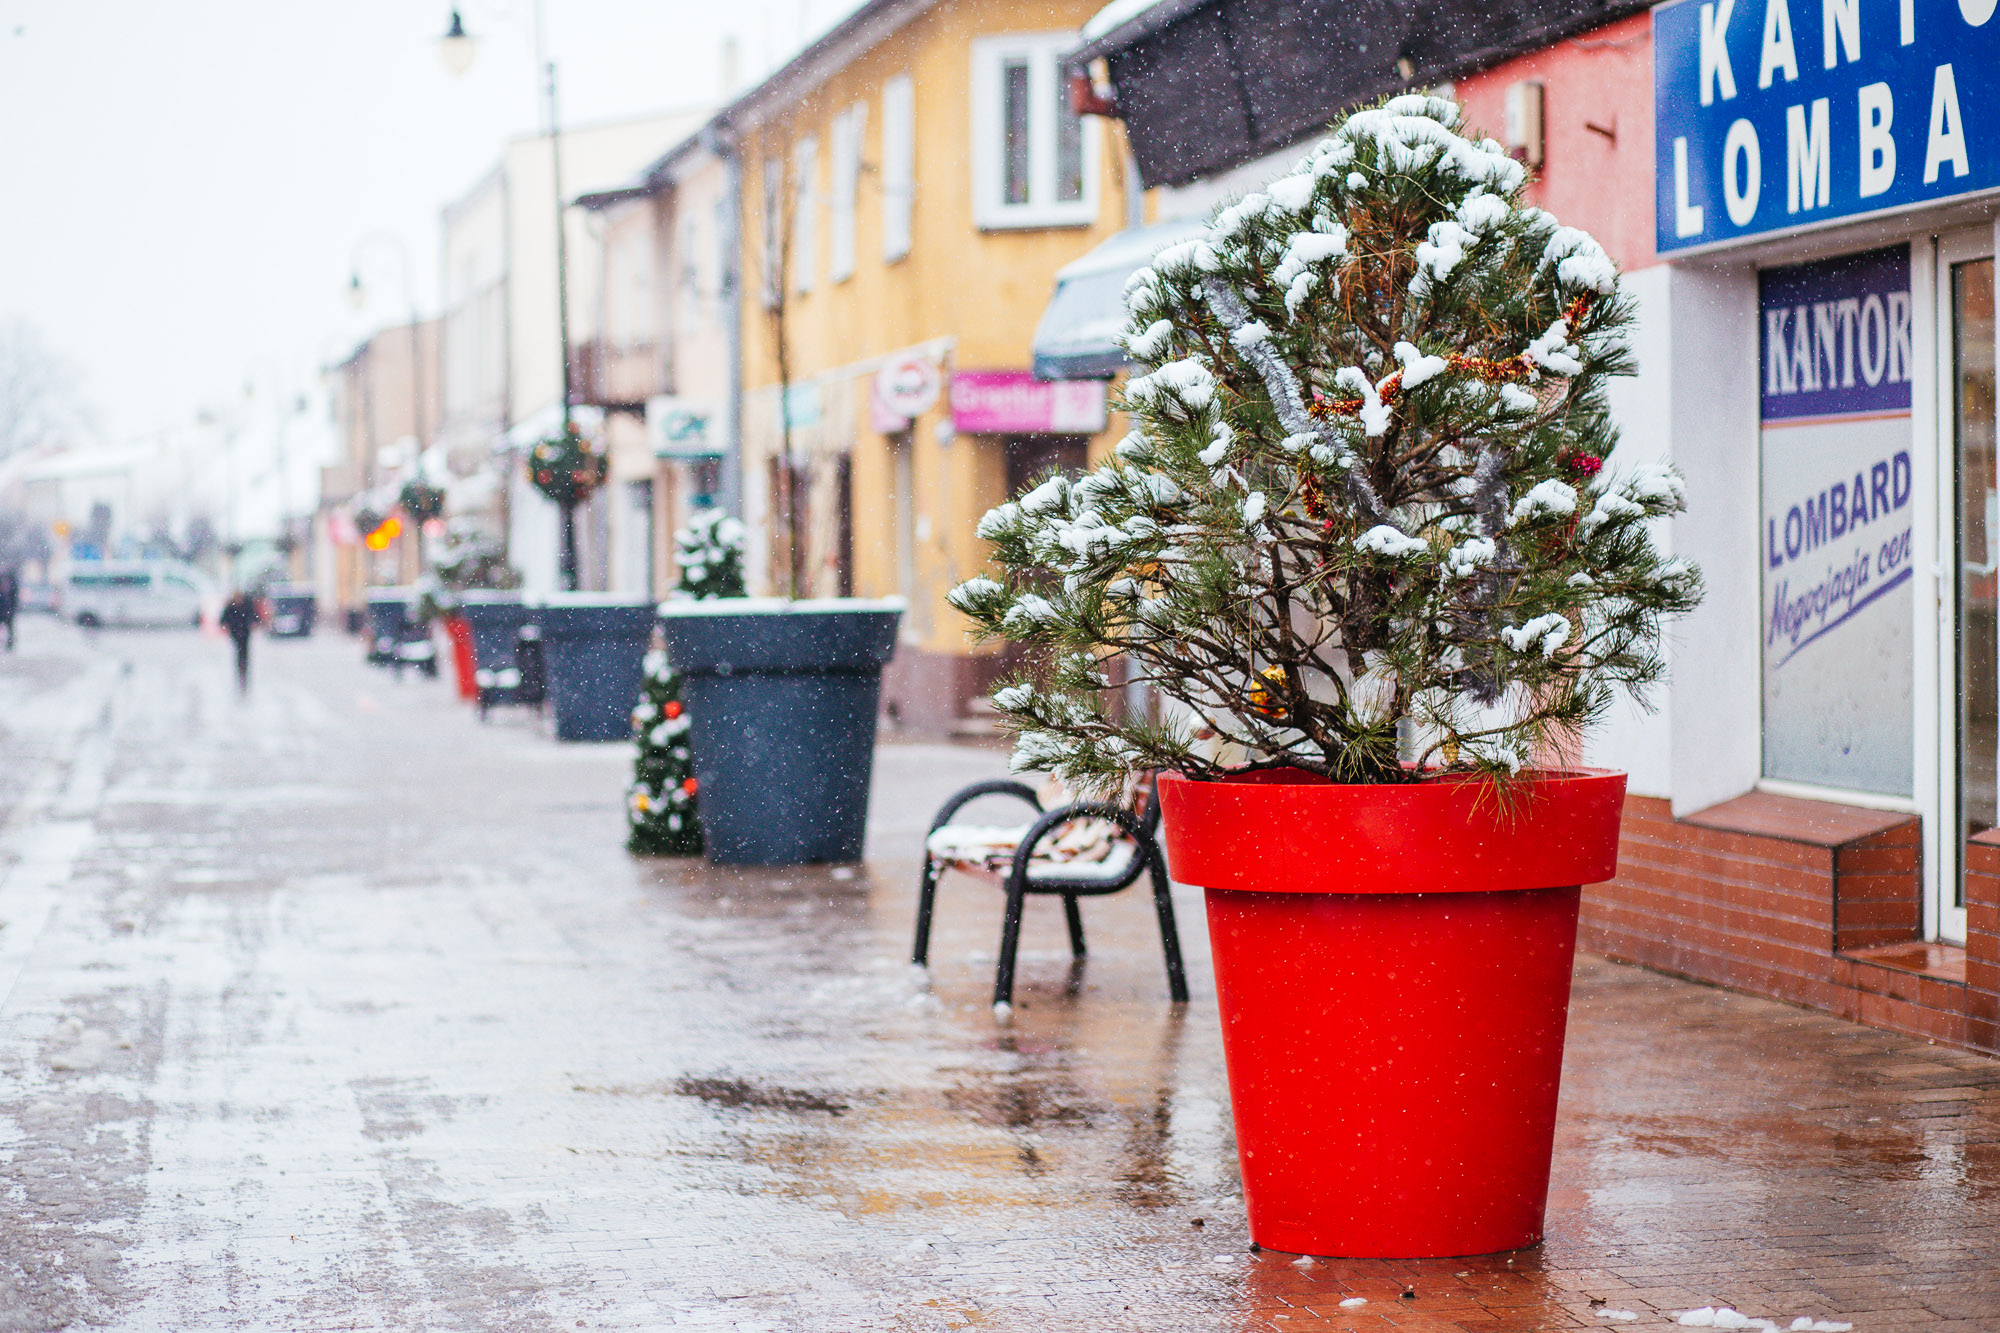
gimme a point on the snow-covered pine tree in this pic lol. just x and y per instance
(1362, 525)
(661, 803)
(709, 550)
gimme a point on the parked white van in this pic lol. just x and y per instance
(136, 592)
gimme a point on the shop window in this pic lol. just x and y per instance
(1033, 161)
(1839, 494)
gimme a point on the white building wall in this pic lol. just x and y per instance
(1638, 738)
(1711, 378)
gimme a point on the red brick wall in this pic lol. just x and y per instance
(1767, 894)
(1982, 941)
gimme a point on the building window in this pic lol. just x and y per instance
(1034, 161)
(805, 217)
(899, 165)
(690, 296)
(771, 281)
(848, 129)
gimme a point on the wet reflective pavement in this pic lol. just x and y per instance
(332, 1009)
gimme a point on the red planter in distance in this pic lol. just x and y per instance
(460, 633)
(1392, 967)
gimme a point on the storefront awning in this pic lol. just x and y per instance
(1074, 339)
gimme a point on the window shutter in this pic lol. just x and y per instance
(805, 238)
(848, 130)
(899, 165)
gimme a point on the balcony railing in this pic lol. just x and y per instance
(608, 375)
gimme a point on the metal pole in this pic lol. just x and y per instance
(571, 579)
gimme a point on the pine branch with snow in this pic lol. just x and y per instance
(1363, 524)
(709, 551)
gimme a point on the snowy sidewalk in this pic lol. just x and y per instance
(333, 1009)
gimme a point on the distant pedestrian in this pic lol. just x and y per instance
(239, 617)
(10, 602)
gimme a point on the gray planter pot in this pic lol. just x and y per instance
(294, 610)
(388, 617)
(596, 650)
(782, 697)
(494, 618)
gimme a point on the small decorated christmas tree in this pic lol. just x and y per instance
(709, 551)
(1364, 524)
(661, 803)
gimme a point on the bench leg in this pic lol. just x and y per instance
(1010, 942)
(926, 897)
(1170, 935)
(1075, 924)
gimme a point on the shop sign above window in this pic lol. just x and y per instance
(1777, 115)
(1013, 402)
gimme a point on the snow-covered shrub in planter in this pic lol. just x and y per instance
(1370, 540)
(709, 550)
(1363, 518)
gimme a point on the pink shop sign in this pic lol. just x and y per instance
(1013, 402)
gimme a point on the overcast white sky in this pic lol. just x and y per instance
(183, 184)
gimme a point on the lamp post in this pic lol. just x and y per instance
(456, 49)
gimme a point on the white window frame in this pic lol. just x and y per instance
(850, 130)
(1043, 52)
(805, 214)
(899, 166)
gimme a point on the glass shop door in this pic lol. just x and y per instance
(1966, 429)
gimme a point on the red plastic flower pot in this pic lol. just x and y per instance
(1392, 968)
(460, 632)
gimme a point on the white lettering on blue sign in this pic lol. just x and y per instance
(1836, 336)
(1847, 150)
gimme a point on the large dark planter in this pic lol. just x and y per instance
(495, 618)
(294, 610)
(783, 697)
(388, 619)
(1392, 972)
(596, 650)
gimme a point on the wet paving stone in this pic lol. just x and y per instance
(331, 1008)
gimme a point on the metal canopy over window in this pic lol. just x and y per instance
(1228, 81)
(1074, 341)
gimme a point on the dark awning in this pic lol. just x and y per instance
(1222, 82)
(1074, 339)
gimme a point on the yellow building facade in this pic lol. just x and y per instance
(909, 190)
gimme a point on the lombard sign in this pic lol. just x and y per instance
(1771, 115)
(1838, 487)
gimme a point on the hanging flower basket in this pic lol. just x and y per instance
(565, 469)
(1367, 546)
(421, 501)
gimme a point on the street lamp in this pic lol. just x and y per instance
(457, 49)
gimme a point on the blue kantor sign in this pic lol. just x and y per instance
(1776, 114)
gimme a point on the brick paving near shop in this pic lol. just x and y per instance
(331, 1008)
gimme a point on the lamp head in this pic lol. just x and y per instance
(457, 47)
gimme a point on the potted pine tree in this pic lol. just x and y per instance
(784, 695)
(1363, 544)
(660, 806)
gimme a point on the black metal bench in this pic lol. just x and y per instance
(1028, 861)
